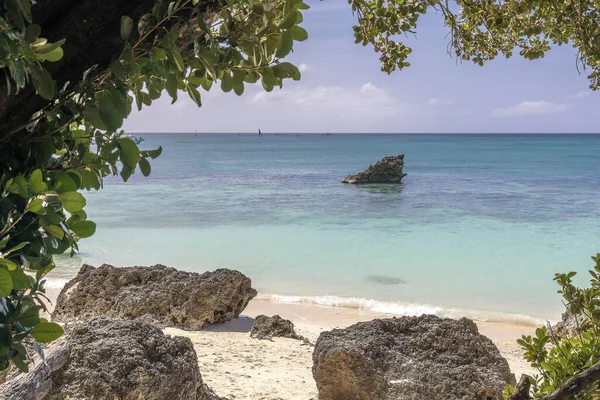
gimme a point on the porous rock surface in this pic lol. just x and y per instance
(269, 327)
(127, 360)
(409, 358)
(387, 170)
(570, 326)
(158, 294)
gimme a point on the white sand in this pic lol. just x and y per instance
(239, 367)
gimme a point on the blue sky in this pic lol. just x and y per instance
(343, 90)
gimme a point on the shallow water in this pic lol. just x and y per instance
(478, 228)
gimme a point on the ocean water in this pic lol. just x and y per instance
(477, 228)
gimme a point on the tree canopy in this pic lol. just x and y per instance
(74, 70)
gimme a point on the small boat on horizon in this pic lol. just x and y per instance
(259, 132)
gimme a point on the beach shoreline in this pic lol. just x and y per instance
(240, 367)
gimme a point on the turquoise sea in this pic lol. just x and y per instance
(478, 228)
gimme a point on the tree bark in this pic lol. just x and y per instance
(577, 384)
(522, 389)
(36, 384)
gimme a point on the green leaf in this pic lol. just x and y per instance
(43, 83)
(238, 76)
(126, 27)
(194, 94)
(109, 114)
(159, 53)
(119, 70)
(172, 86)
(84, 229)
(226, 82)
(36, 182)
(286, 70)
(20, 279)
(47, 47)
(202, 24)
(298, 33)
(63, 182)
(178, 60)
(239, 89)
(72, 201)
(286, 42)
(53, 56)
(46, 332)
(6, 284)
(12, 9)
(25, 7)
(15, 248)
(289, 20)
(30, 317)
(9, 265)
(144, 166)
(36, 206)
(130, 153)
(126, 172)
(55, 231)
(146, 22)
(19, 362)
(5, 341)
(153, 153)
(32, 32)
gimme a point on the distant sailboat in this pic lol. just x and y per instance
(259, 132)
(195, 133)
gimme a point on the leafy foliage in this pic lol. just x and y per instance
(481, 30)
(76, 140)
(559, 360)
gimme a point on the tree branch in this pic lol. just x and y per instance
(522, 389)
(577, 384)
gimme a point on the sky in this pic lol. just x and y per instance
(343, 90)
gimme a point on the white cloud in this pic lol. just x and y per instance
(304, 67)
(440, 102)
(579, 95)
(366, 100)
(530, 108)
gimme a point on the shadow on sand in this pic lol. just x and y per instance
(242, 324)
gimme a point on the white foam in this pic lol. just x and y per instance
(55, 283)
(406, 309)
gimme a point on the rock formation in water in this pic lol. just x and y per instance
(409, 358)
(157, 294)
(387, 170)
(269, 327)
(115, 359)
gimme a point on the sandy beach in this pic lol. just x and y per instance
(240, 367)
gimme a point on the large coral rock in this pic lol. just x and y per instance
(127, 360)
(409, 358)
(157, 294)
(387, 170)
